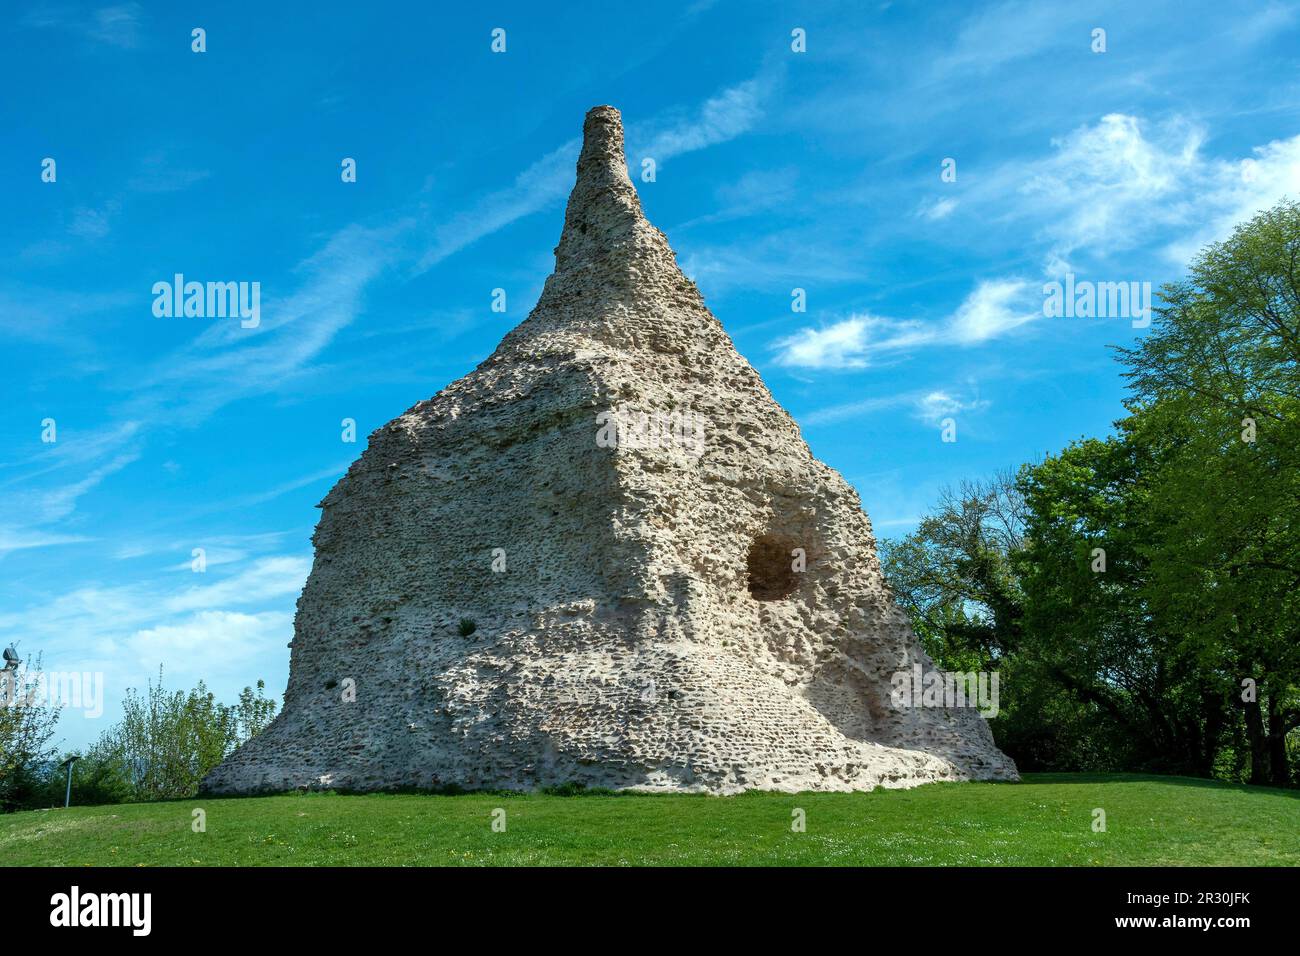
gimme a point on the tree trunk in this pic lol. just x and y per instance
(1212, 730)
(1258, 742)
(1281, 771)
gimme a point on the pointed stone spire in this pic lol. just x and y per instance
(603, 212)
(602, 165)
(650, 493)
(616, 280)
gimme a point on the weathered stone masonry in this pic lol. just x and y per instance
(648, 630)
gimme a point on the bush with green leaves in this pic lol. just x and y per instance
(27, 723)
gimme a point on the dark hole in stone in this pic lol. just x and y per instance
(331, 684)
(771, 577)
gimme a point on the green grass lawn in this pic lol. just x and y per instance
(1046, 820)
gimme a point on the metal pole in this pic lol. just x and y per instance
(67, 797)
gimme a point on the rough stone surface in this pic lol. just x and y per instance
(648, 630)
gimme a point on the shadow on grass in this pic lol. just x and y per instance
(1167, 779)
(455, 790)
(574, 789)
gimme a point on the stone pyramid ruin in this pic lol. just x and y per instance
(605, 557)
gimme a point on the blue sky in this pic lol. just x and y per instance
(775, 170)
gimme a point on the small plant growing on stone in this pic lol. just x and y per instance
(467, 627)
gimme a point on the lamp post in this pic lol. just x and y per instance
(67, 796)
(9, 676)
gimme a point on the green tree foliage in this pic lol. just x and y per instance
(163, 746)
(167, 741)
(959, 578)
(1088, 573)
(1146, 604)
(1217, 394)
(954, 578)
(98, 776)
(253, 712)
(27, 722)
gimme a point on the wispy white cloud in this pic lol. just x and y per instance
(851, 343)
(1249, 27)
(20, 539)
(227, 641)
(263, 580)
(1237, 191)
(1124, 183)
(334, 471)
(759, 189)
(1107, 183)
(937, 209)
(866, 406)
(159, 175)
(117, 25)
(93, 223)
(793, 257)
(53, 316)
(222, 364)
(227, 362)
(547, 182)
(224, 629)
(933, 407)
(96, 620)
(218, 549)
(56, 503)
(995, 35)
(41, 491)
(75, 448)
(751, 193)
(930, 407)
(720, 118)
(1107, 188)
(542, 184)
(995, 308)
